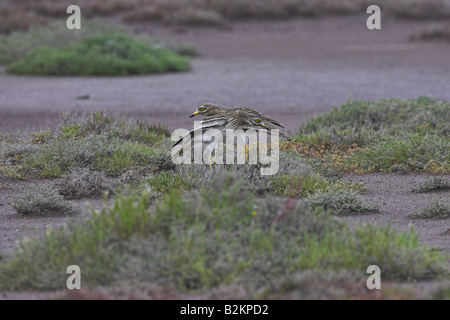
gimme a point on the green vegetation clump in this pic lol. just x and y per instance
(219, 235)
(96, 152)
(340, 202)
(83, 183)
(437, 209)
(98, 142)
(16, 45)
(301, 185)
(167, 181)
(388, 115)
(435, 184)
(52, 35)
(41, 201)
(102, 55)
(102, 122)
(405, 152)
(385, 136)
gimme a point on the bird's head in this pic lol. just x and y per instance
(258, 122)
(206, 109)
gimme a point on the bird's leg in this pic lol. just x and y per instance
(210, 156)
(212, 159)
(247, 151)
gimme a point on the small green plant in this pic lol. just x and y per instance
(41, 136)
(164, 182)
(435, 184)
(52, 35)
(340, 202)
(107, 55)
(41, 201)
(301, 185)
(437, 209)
(406, 152)
(83, 183)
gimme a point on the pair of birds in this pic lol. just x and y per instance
(222, 118)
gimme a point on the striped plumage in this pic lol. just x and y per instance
(235, 119)
(211, 109)
(214, 110)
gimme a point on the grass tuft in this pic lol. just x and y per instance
(406, 152)
(96, 152)
(437, 209)
(435, 184)
(102, 55)
(41, 201)
(83, 183)
(385, 136)
(97, 141)
(77, 126)
(340, 202)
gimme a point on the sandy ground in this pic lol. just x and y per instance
(288, 69)
(14, 226)
(394, 196)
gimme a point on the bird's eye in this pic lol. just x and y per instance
(257, 120)
(201, 109)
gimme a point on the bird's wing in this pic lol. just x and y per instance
(211, 122)
(204, 125)
(281, 134)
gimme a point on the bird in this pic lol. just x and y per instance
(234, 119)
(212, 110)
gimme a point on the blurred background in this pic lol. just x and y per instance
(157, 60)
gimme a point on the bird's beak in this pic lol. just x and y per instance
(194, 114)
(263, 125)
